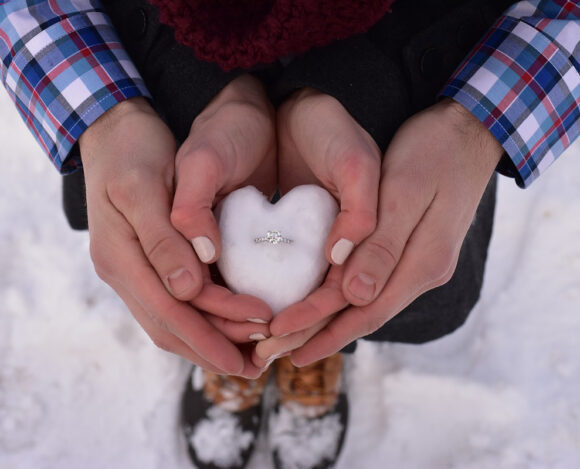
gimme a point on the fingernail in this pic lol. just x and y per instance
(257, 336)
(180, 281)
(267, 365)
(257, 321)
(204, 248)
(273, 357)
(363, 286)
(341, 250)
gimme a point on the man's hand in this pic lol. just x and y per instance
(129, 162)
(433, 176)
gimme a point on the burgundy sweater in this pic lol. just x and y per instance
(244, 33)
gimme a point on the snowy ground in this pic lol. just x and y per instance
(82, 387)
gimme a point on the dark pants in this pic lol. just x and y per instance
(381, 77)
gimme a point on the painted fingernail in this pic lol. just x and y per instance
(267, 365)
(204, 248)
(341, 250)
(180, 281)
(257, 321)
(257, 336)
(363, 286)
(273, 357)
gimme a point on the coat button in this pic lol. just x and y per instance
(431, 62)
(136, 23)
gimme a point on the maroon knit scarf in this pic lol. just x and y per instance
(243, 33)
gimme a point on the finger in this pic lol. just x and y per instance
(334, 337)
(428, 261)
(320, 304)
(198, 180)
(292, 168)
(356, 176)
(274, 347)
(264, 365)
(161, 338)
(239, 332)
(219, 301)
(401, 207)
(319, 137)
(166, 250)
(250, 370)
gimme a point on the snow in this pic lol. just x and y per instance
(284, 271)
(302, 442)
(219, 439)
(82, 386)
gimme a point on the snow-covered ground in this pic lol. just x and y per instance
(82, 387)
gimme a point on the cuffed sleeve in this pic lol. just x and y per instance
(523, 82)
(63, 66)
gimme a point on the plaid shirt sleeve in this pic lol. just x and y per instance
(63, 66)
(523, 82)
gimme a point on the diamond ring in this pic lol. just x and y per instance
(273, 237)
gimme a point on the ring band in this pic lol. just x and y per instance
(273, 237)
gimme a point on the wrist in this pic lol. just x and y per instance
(109, 120)
(470, 126)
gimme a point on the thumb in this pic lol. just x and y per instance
(198, 180)
(356, 178)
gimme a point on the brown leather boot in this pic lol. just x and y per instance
(221, 418)
(308, 425)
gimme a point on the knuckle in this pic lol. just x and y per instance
(123, 190)
(373, 323)
(161, 343)
(356, 165)
(385, 249)
(367, 221)
(159, 321)
(181, 217)
(441, 266)
(102, 261)
(160, 248)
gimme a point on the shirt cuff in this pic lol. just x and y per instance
(65, 76)
(525, 90)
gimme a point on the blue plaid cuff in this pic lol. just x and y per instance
(64, 71)
(522, 81)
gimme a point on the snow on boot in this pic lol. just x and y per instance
(308, 425)
(221, 418)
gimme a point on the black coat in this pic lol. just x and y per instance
(382, 77)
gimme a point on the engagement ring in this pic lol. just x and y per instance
(273, 237)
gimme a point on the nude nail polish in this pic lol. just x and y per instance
(257, 321)
(204, 248)
(257, 336)
(341, 250)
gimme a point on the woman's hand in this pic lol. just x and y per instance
(232, 143)
(320, 143)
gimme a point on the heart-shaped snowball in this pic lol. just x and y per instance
(275, 251)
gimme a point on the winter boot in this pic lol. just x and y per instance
(308, 425)
(221, 418)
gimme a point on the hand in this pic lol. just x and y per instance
(129, 158)
(231, 144)
(434, 174)
(320, 143)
